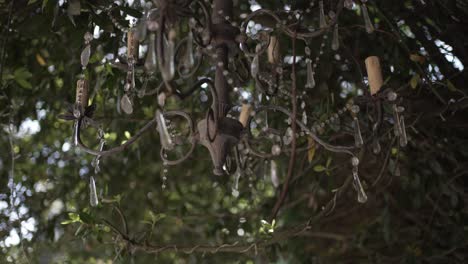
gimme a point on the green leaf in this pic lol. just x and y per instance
(328, 162)
(22, 73)
(66, 222)
(319, 168)
(451, 87)
(44, 4)
(415, 81)
(23, 83)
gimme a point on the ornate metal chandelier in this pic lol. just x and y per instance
(183, 35)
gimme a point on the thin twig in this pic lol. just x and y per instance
(292, 159)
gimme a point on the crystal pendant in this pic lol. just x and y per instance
(336, 40)
(310, 75)
(288, 136)
(189, 58)
(367, 20)
(93, 198)
(274, 173)
(126, 104)
(376, 148)
(255, 66)
(235, 189)
(164, 136)
(150, 62)
(397, 171)
(304, 118)
(85, 54)
(323, 22)
(358, 142)
(396, 121)
(403, 137)
(362, 197)
(168, 71)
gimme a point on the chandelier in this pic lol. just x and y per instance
(181, 36)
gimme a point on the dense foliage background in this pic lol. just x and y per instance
(417, 213)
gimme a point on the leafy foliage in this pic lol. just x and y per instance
(417, 210)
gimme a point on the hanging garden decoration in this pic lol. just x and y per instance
(180, 36)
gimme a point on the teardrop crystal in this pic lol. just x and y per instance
(150, 62)
(396, 121)
(235, 188)
(358, 142)
(310, 75)
(93, 198)
(323, 22)
(85, 54)
(189, 58)
(362, 197)
(168, 70)
(254, 67)
(367, 20)
(376, 148)
(274, 173)
(403, 137)
(164, 136)
(304, 118)
(336, 38)
(126, 104)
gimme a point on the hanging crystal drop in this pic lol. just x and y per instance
(274, 173)
(362, 197)
(358, 142)
(150, 62)
(288, 136)
(168, 70)
(376, 148)
(255, 66)
(336, 39)
(164, 136)
(85, 54)
(367, 20)
(396, 121)
(323, 22)
(304, 118)
(189, 58)
(126, 104)
(235, 188)
(93, 198)
(310, 75)
(403, 137)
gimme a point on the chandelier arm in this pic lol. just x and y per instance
(209, 26)
(155, 90)
(288, 31)
(332, 148)
(78, 142)
(270, 131)
(184, 158)
(192, 136)
(243, 48)
(194, 69)
(182, 95)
